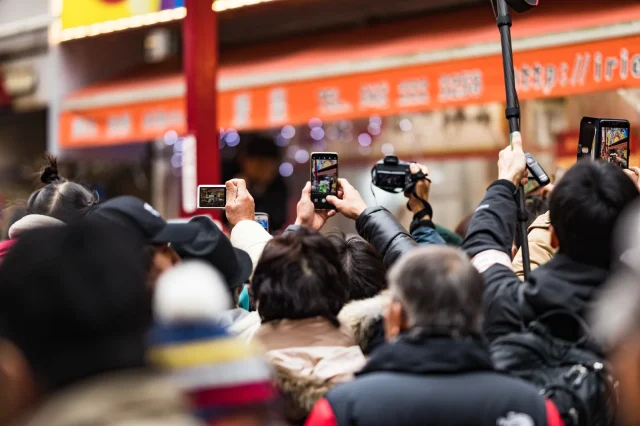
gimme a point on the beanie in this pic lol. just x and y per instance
(220, 374)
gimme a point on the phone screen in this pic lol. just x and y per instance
(614, 147)
(212, 196)
(263, 220)
(324, 178)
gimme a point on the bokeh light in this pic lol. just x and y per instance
(387, 149)
(406, 125)
(286, 169)
(288, 132)
(364, 139)
(302, 156)
(170, 137)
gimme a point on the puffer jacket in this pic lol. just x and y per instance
(309, 357)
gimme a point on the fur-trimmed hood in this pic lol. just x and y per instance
(364, 318)
(304, 375)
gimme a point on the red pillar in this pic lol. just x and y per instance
(200, 39)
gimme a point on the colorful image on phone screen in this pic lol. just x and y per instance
(212, 197)
(615, 146)
(264, 222)
(324, 176)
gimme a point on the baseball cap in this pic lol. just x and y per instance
(134, 213)
(212, 246)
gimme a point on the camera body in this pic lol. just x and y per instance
(392, 175)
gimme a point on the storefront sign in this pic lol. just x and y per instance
(78, 13)
(554, 72)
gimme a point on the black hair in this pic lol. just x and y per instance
(363, 265)
(584, 208)
(299, 276)
(59, 198)
(536, 206)
(74, 300)
(440, 290)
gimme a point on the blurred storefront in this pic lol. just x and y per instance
(25, 85)
(426, 88)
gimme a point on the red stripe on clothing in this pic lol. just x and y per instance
(553, 416)
(322, 415)
(234, 395)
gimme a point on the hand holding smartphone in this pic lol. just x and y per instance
(606, 140)
(324, 179)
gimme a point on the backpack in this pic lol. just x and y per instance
(576, 378)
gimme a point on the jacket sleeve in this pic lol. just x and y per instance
(425, 233)
(322, 415)
(383, 231)
(540, 250)
(251, 237)
(489, 243)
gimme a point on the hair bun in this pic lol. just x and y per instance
(50, 173)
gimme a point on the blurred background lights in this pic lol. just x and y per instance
(374, 129)
(364, 139)
(176, 161)
(364, 150)
(288, 132)
(302, 156)
(292, 151)
(281, 141)
(286, 169)
(320, 146)
(315, 123)
(177, 147)
(333, 133)
(406, 125)
(317, 133)
(375, 121)
(170, 137)
(232, 138)
(388, 149)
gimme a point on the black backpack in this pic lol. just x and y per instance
(576, 378)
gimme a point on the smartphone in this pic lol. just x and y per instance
(212, 196)
(605, 139)
(262, 219)
(324, 178)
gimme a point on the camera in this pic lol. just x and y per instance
(393, 175)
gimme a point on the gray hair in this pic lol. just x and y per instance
(439, 290)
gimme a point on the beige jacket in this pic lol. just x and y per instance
(309, 357)
(540, 250)
(119, 399)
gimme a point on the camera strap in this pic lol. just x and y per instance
(427, 210)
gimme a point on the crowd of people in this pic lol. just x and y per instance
(109, 315)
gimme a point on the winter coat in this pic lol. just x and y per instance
(365, 318)
(560, 283)
(117, 399)
(309, 357)
(540, 250)
(27, 223)
(421, 379)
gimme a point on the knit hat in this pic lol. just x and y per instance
(220, 374)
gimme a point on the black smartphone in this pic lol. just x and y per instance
(212, 196)
(605, 139)
(262, 219)
(324, 178)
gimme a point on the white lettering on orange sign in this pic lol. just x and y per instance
(374, 95)
(119, 125)
(414, 92)
(242, 110)
(82, 127)
(278, 108)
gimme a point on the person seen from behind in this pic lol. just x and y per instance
(74, 316)
(435, 368)
(583, 210)
(299, 287)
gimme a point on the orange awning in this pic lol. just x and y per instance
(414, 65)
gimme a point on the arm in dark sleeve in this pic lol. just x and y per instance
(383, 231)
(489, 243)
(425, 233)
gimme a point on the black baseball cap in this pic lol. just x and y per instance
(138, 215)
(212, 246)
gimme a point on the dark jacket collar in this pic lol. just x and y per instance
(563, 284)
(418, 352)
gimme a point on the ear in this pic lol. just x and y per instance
(555, 244)
(394, 321)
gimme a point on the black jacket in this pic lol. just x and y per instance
(433, 380)
(559, 284)
(383, 231)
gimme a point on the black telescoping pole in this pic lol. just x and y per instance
(513, 115)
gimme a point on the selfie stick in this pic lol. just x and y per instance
(513, 115)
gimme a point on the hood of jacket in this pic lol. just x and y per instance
(363, 317)
(416, 352)
(122, 399)
(305, 374)
(563, 284)
(32, 221)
